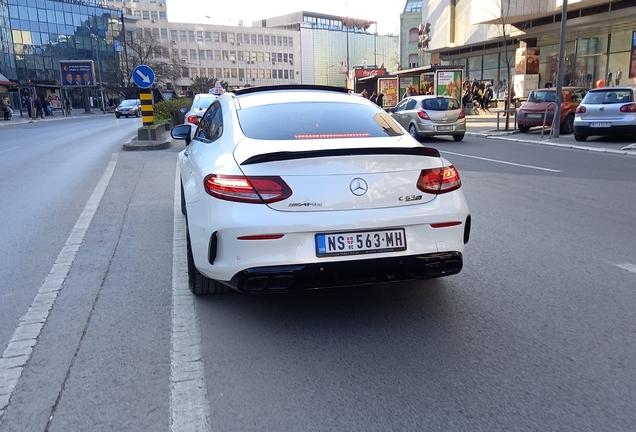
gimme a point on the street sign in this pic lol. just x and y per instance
(143, 76)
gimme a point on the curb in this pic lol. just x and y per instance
(552, 144)
(134, 144)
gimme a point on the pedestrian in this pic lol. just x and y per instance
(6, 107)
(37, 104)
(509, 91)
(365, 94)
(374, 97)
(67, 106)
(487, 97)
(380, 99)
(27, 101)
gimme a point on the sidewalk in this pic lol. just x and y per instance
(485, 126)
(76, 113)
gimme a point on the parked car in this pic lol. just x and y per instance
(606, 111)
(302, 187)
(128, 107)
(430, 115)
(532, 111)
(200, 103)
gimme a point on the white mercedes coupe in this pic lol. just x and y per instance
(300, 187)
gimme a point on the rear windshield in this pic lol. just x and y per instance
(440, 104)
(608, 97)
(313, 120)
(542, 96)
(203, 103)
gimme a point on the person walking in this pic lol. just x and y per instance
(67, 106)
(379, 100)
(37, 104)
(374, 97)
(6, 108)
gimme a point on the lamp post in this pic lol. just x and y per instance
(99, 70)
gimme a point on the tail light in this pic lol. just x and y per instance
(439, 180)
(194, 119)
(580, 109)
(462, 115)
(255, 190)
(422, 114)
(629, 108)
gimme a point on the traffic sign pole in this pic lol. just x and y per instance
(147, 108)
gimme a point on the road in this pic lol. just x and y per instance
(535, 333)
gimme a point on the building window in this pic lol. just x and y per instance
(162, 16)
(193, 54)
(183, 35)
(273, 40)
(230, 38)
(274, 74)
(184, 53)
(233, 73)
(226, 72)
(267, 57)
(191, 36)
(208, 54)
(154, 15)
(164, 34)
(199, 36)
(253, 39)
(145, 15)
(266, 39)
(414, 35)
(216, 36)
(259, 56)
(280, 40)
(173, 35)
(286, 72)
(260, 39)
(239, 38)
(239, 55)
(217, 55)
(218, 73)
(284, 57)
(291, 42)
(226, 54)
(208, 36)
(224, 37)
(284, 40)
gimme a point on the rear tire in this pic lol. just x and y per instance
(568, 125)
(116, 115)
(413, 132)
(200, 285)
(580, 137)
(458, 137)
(523, 128)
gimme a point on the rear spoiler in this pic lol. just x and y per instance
(281, 156)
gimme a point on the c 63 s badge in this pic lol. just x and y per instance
(410, 198)
(305, 204)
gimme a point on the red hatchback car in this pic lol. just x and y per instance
(531, 112)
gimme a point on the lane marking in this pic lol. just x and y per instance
(627, 266)
(24, 339)
(502, 162)
(12, 148)
(189, 405)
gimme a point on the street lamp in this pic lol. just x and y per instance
(99, 70)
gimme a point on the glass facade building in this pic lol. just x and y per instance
(36, 34)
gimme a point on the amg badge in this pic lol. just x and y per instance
(410, 198)
(305, 205)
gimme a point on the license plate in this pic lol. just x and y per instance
(534, 115)
(360, 242)
(599, 125)
(444, 128)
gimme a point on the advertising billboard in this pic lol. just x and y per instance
(77, 73)
(449, 83)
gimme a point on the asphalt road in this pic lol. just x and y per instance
(535, 334)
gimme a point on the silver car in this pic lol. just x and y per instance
(200, 104)
(606, 111)
(430, 115)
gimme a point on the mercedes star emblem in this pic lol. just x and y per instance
(358, 186)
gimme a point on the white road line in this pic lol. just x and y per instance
(12, 148)
(189, 405)
(501, 162)
(21, 344)
(627, 266)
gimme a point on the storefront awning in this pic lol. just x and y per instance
(5, 81)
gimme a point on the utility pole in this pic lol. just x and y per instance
(556, 120)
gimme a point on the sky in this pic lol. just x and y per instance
(385, 12)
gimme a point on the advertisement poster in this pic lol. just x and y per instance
(406, 82)
(524, 84)
(388, 87)
(54, 99)
(632, 59)
(77, 73)
(449, 83)
(527, 61)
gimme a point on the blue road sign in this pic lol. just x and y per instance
(143, 76)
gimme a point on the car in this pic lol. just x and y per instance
(200, 103)
(429, 115)
(606, 111)
(297, 187)
(531, 112)
(128, 107)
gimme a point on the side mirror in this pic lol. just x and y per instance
(181, 132)
(183, 110)
(391, 110)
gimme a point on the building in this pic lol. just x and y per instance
(410, 20)
(599, 40)
(36, 36)
(332, 45)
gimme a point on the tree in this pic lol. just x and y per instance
(148, 50)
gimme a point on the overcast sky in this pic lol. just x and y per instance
(385, 12)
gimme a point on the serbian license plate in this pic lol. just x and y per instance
(600, 125)
(444, 128)
(534, 115)
(361, 242)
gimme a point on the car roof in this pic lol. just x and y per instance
(205, 95)
(265, 95)
(625, 87)
(552, 89)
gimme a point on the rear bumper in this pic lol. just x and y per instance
(614, 130)
(280, 279)
(430, 129)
